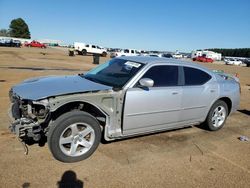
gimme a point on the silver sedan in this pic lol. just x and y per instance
(124, 97)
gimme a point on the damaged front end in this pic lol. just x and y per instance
(29, 119)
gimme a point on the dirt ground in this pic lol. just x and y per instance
(190, 157)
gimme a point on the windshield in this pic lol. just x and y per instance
(115, 73)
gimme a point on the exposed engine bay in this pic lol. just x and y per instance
(29, 118)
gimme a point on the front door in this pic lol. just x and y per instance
(154, 108)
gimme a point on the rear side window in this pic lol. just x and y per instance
(195, 76)
(163, 75)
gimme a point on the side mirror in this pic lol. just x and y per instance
(146, 82)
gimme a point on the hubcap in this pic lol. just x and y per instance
(77, 139)
(219, 116)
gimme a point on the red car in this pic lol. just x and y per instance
(203, 59)
(35, 44)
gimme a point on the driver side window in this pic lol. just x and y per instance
(163, 75)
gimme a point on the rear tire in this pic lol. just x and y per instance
(74, 136)
(84, 52)
(217, 116)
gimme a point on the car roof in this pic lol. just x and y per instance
(152, 60)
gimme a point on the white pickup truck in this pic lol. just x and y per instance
(126, 52)
(83, 49)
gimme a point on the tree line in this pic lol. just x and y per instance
(18, 28)
(237, 52)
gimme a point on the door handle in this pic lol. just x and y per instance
(175, 93)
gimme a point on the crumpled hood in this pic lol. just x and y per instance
(43, 87)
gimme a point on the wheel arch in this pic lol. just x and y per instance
(84, 106)
(84, 51)
(228, 101)
(225, 99)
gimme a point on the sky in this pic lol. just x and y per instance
(166, 25)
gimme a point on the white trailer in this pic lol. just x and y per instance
(207, 54)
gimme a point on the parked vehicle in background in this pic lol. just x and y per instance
(247, 62)
(2, 42)
(84, 49)
(203, 59)
(35, 44)
(126, 52)
(167, 55)
(144, 53)
(232, 61)
(16, 43)
(154, 55)
(177, 56)
(124, 97)
(10, 43)
(206, 53)
(114, 52)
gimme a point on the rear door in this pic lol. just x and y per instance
(154, 108)
(199, 91)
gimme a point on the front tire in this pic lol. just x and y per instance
(74, 136)
(104, 54)
(217, 116)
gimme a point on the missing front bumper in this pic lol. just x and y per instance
(25, 129)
